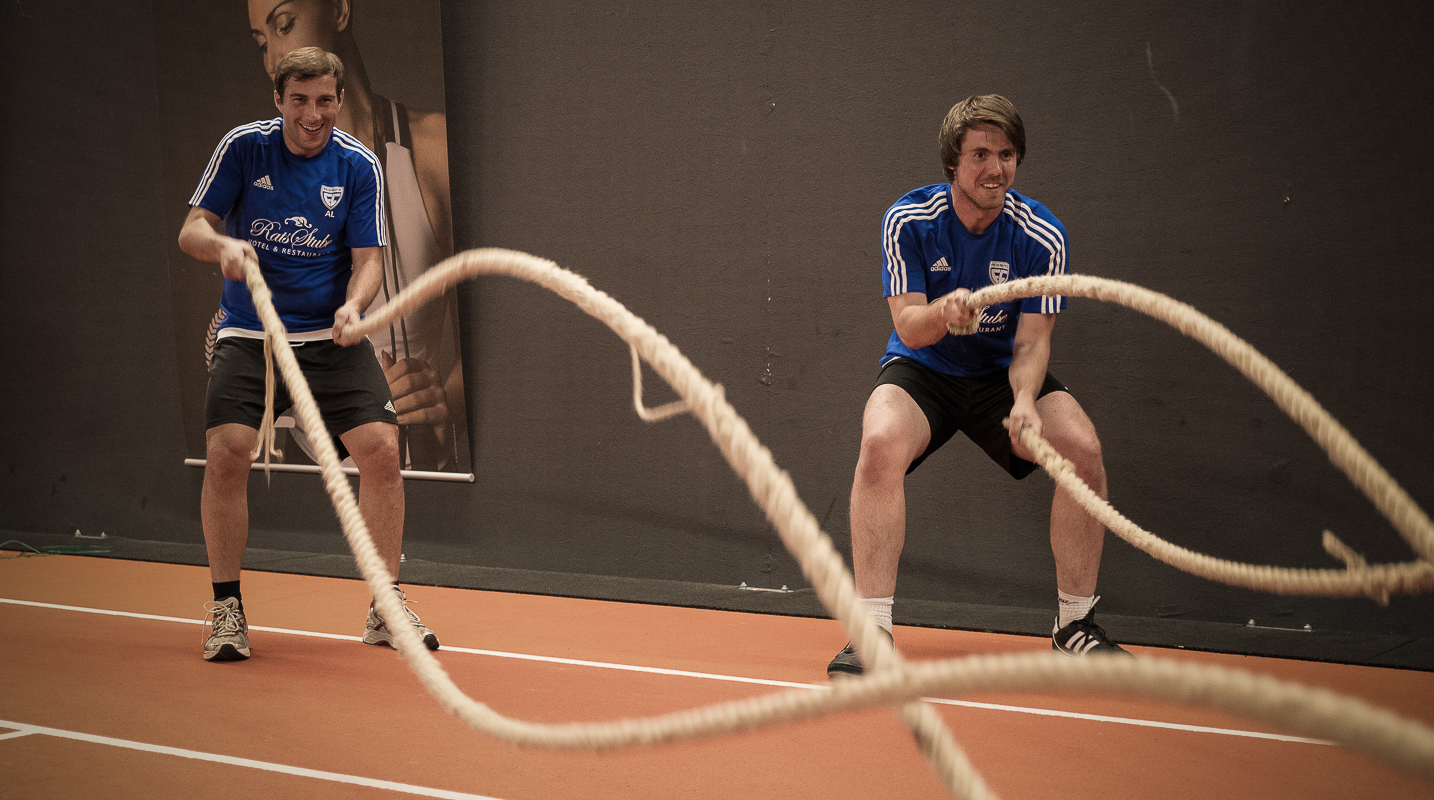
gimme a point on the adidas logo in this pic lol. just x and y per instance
(264, 183)
(1081, 643)
(941, 265)
(389, 407)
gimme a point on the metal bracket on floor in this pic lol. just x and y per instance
(79, 535)
(1305, 629)
(783, 590)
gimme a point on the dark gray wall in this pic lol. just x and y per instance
(721, 168)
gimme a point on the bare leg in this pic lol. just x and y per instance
(224, 501)
(1077, 538)
(893, 432)
(374, 447)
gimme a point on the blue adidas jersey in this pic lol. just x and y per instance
(925, 248)
(302, 215)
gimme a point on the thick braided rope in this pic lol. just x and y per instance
(1344, 452)
(1358, 579)
(770, 487)
(1378, 733)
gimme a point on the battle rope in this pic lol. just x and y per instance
(1378, 733)
(1344, 452)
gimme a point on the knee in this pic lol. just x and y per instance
(375, 452)
(1073, 435)
(227, 456)
(884, 457)
(1082, 448)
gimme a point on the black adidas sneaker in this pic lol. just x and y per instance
(1084, 637)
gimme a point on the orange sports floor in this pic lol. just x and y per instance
(103, 694)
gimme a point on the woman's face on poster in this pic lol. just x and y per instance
(279, 26)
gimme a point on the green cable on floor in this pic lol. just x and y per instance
(53, 550)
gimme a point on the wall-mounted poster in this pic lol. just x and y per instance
(214, 73)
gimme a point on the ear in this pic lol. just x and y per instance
(342, 8)
(278, 101)
(341, 98)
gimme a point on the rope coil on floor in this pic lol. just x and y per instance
(1378, 733)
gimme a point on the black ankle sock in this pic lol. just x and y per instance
(225, 589)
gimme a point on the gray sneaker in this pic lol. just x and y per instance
(228, 638)
(377, 632)
(847, 662)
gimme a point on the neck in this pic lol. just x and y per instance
(300, 153)
(974, 219)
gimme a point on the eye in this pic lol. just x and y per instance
(285, 23)
(262, 43)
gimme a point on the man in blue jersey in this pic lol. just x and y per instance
(305, 201)
(939, 244)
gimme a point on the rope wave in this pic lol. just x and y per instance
(1404, 743)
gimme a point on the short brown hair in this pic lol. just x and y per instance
(983, 109)
(308, 62)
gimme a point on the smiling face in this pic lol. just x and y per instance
(309, 106)
(279, 26)
(985, 170)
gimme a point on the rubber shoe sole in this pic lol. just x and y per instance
(226, 652)
(381, 637)
(376, 630)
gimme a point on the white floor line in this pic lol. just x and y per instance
(303, 772)
(1045, 712)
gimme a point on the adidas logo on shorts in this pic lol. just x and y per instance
(389, 407)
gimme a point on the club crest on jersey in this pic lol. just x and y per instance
(1000, 272)
(331, 195)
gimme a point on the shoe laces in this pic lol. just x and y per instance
(224, 619)
(402, 601)
(1092, 630)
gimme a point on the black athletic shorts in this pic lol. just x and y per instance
(346, 382)
(973, 406)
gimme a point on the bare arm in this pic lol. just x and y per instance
(364, 284)
(920, 323)
(199, 239)
(1030, 355)
(430, 159)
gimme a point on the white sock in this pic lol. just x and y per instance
(1071, 608)
(880, 607)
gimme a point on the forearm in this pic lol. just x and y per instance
(1029, 361)
(367, 278)
(200, 240)
(920, 323)
(364, 283)
(920, 326)
(1030, 355)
